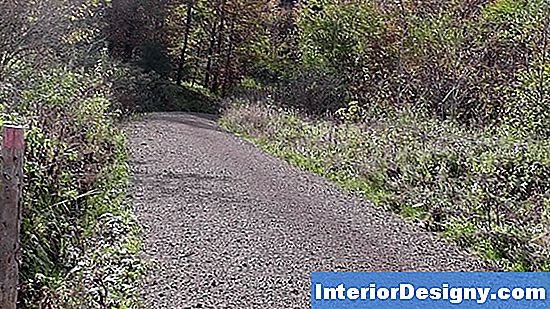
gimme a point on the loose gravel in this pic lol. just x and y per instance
(228, 226)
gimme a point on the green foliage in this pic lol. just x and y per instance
(527, 112)
(249, 83)
(452, 59)
(79, 239)
(78, 234)
(488, 193)
(339, 37)
(224, 40)
(353, 113)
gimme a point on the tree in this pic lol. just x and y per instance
(189, 19)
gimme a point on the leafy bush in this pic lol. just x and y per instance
(312, 91)
(472, 62)
(137, 91)
(341, 38)
(527, 112)
(489, 193)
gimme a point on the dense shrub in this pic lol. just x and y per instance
(487, 192)
(312, 91)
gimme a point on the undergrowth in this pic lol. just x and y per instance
(487, 192)
(79, 238)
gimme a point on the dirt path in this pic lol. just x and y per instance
(229, 226)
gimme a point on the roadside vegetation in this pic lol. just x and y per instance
(485, 192)
(79, 237)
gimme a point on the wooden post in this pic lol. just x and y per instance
(13, 145)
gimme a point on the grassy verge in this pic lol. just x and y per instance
(79, 238)
(109, 272)
(489, 194)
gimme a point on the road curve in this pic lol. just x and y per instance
(229, 226)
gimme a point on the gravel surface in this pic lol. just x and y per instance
(229, 226)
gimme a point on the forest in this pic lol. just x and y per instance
(436, 110)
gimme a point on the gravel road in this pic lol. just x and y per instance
(228, 226)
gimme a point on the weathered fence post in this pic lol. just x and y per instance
(13, 145)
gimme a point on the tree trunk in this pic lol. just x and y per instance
(188, 21)
(219, 47)
(218, 29)
(227, 70)
(209, 57)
